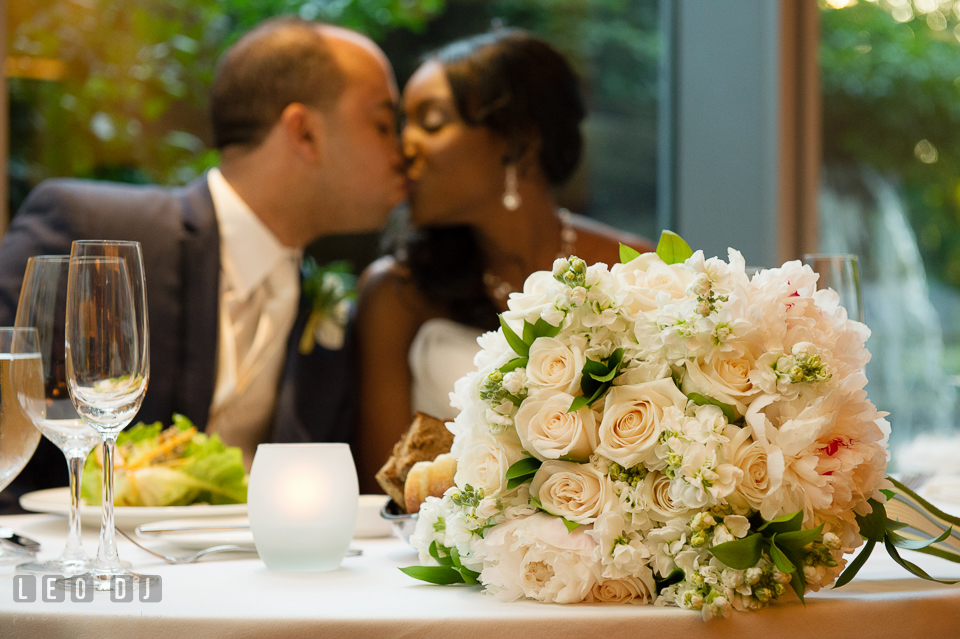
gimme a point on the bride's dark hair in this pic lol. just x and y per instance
(523, 89)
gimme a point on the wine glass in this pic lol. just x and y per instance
(107, 365)
(841, 272)
(43, 306)
(18, 437)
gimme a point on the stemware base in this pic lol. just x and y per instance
(10, 556)
(107, 581)
(57, 567)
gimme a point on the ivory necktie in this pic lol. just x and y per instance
(259, 326)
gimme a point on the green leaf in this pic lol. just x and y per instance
(519, 347)
(528, 335)
(874, 525)
(578, 403)
(672, 249)
(440, 575)
(435, 553)
(779, 558)
(513, 364)
(797, 540)
(915, 544)
(571, 525)
(799, 584)
(606, 378)
(522, 468)
(854, 566)
(785, 523)
(909, 566)
(895, 525)
(543, 328)
(703, 400)
(518, 481)
(628, 253)
(740, 553)
(470, 577)
(675, 576)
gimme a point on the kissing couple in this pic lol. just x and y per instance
(304, 116)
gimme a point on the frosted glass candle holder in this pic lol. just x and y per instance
(302, 503)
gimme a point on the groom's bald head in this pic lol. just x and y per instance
(280, 62)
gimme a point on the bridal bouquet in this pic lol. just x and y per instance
(665, 431)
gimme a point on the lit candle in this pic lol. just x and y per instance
(302, 503)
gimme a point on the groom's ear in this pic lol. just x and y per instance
(304, 129)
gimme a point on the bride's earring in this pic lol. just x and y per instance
(511, 197)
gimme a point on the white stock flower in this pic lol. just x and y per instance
(577, 492)
(552, 365)
(548, 431)
(631, 420)
(666, 543)
(515, 381)
(617, 546)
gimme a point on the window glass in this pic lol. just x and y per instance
(117, 89)
(891, 193)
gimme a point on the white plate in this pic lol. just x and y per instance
(57, 501)
(198, 539)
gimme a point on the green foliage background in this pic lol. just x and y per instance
(887, 86)
(132, 106)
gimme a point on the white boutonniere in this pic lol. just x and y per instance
(330, 289)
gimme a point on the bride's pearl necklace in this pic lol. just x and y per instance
(500, 289)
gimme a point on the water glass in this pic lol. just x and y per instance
(841, 272)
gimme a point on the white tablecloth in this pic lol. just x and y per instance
(369, 597)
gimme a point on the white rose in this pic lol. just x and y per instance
(484, 462)
(554, 366)
(577, 492)
(655, 493)
(548, 431)
(631, 419)
(642, 280)
(725, 380)
(762, 465)
(635, 589)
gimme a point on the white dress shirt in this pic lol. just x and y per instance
(259, 295)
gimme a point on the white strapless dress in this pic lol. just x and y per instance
(441, 353)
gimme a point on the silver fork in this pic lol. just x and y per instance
(189, 559)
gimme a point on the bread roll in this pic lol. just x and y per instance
(428, 479)
(426, 438)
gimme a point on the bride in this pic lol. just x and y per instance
(492, 128)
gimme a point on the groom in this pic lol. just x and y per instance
(303, 116)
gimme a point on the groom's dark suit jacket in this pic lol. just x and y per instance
(177, 229)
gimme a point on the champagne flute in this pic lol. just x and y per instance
(19, 358)
(43, 302)
(841, 272)
(107, 365)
